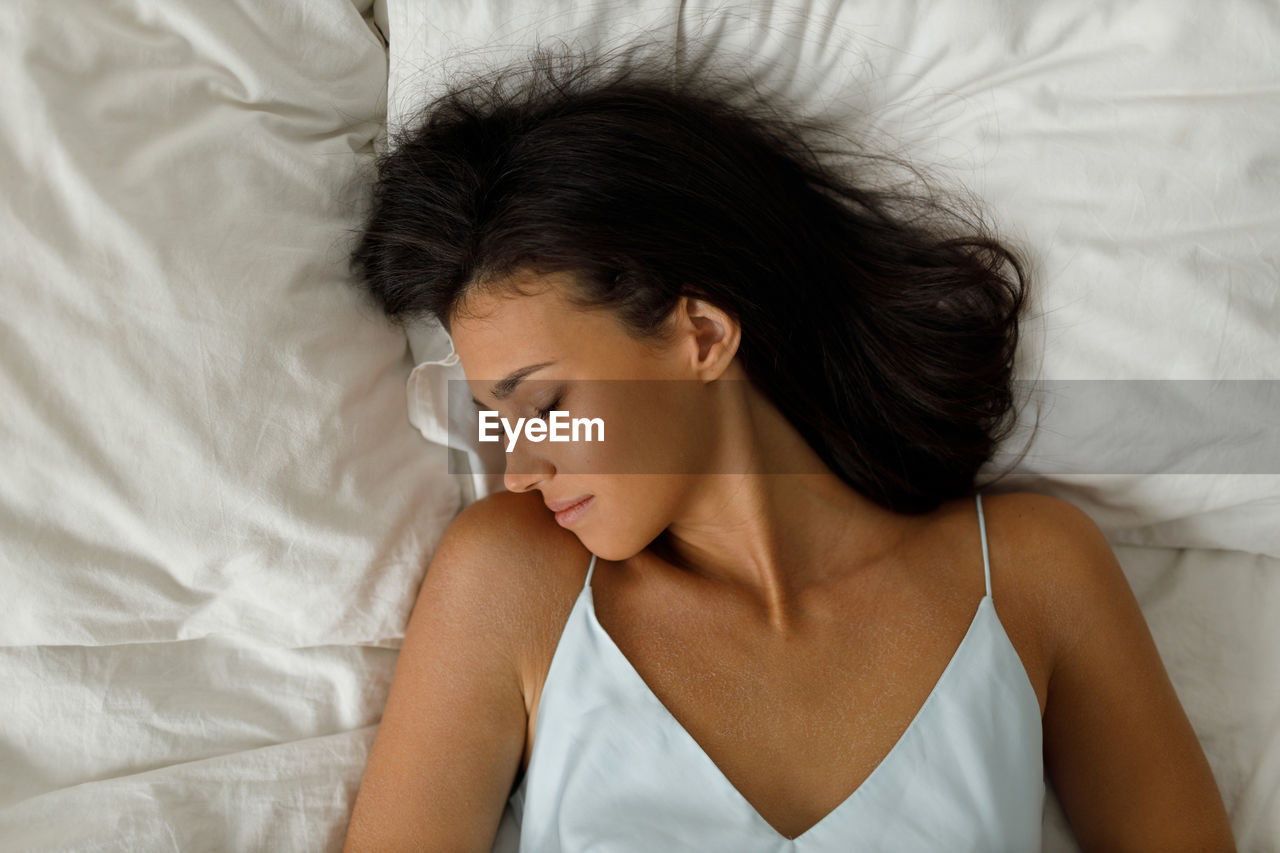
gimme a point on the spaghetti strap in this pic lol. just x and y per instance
(591, 568)
(982, 528)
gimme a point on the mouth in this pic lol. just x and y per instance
(567, 512)
(560, 506)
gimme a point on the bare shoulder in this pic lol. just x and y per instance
(515, 527)
(1065, 563)
(523, 566)
(1048, 561)
(1047, 534)
(1120, 751)
(453, 731)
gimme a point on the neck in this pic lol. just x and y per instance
(774, 535)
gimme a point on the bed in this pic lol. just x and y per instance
(222, 474)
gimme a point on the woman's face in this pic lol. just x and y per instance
(656, 401)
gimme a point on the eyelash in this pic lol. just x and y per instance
(543, 413)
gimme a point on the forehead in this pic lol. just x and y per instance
(527, 318)
(523, 305)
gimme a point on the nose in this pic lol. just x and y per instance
(524, 469)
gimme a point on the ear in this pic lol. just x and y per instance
(713, 336)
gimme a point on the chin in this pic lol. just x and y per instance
(602, 547)
(613, 548)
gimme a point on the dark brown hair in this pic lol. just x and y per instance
(881, 321)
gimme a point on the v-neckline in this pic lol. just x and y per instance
(724, 780)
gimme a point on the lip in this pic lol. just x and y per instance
(575, 511)
(561, 506)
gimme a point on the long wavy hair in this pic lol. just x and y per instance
(882, 321)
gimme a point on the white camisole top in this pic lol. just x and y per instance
(612, 771)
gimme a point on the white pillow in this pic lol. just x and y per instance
(440, 407)
(1127, 148)
(204, 430)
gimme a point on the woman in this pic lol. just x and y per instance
(781, 614)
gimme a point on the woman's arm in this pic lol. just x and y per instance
(452, 735)
(1119, 750)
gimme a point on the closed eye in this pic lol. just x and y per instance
(552, 406)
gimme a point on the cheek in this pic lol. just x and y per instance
(651, 427)
(640, 472)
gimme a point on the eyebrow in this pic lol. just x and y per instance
(505, 387)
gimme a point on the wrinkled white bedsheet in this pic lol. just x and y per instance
(215, 512)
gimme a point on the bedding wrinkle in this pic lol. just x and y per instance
(214, 515)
